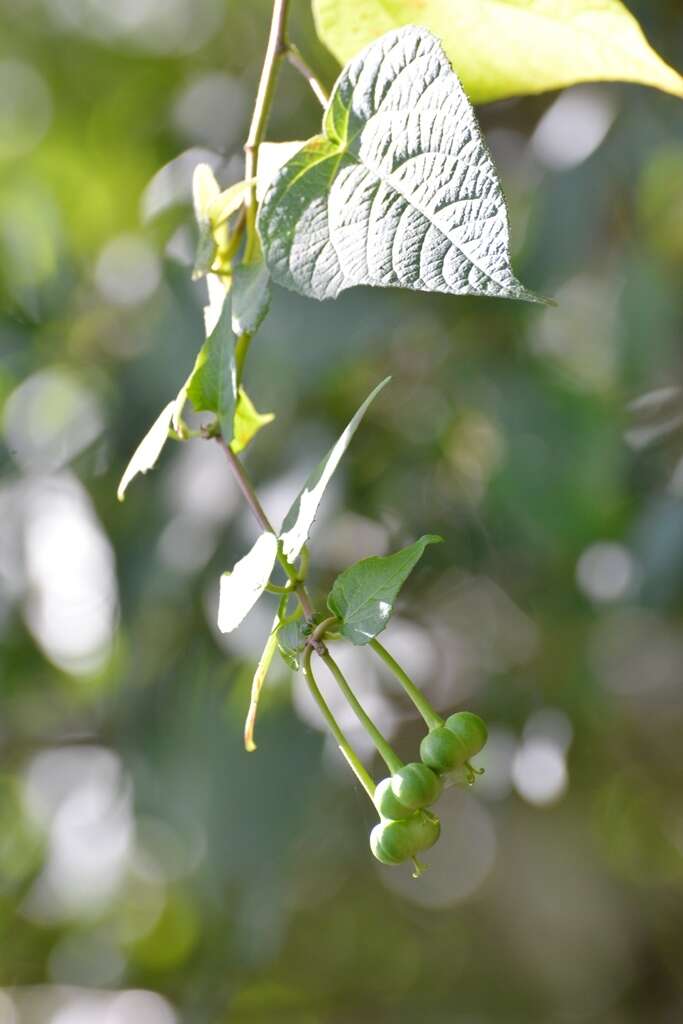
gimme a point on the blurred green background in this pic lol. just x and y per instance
(150, 870)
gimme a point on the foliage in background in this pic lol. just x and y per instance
(560, 509)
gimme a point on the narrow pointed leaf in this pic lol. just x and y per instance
(148, 451)
(363, 596)
(228, 202)
(502, 48)
(212, 385)
(241, 588)
(398, 191)
(248, 422)
(259, 679)
(299, 520)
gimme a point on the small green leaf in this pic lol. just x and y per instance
(363, 596)
(250, 295)
(228, 202)
(212, 385)
(299, 519)
(241, 588)
(248, 422)
(148, 451)
(502, 48)
(399, 191)
(291, 640)
(205, 192)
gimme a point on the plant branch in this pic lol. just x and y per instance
(344, 745)
(297, 61)
(275, 51)
(384, 749)
(249, 495)
(431, 717)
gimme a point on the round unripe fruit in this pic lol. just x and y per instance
(393, 842)
(425, 828)
(471, 731)
(442, 750)
(416, 786)
(386, 803)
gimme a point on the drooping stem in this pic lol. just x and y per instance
(275, 51)
(384, 749)
(430, 715)
(297, 61)
(347, 750)
(250, 496)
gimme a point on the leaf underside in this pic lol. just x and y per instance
(241, 588)
(398, 191)
(503, 48)
(148, 451)
(363, 596)
(299, 520)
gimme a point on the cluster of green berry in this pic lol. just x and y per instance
(406, 827)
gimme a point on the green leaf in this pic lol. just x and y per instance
(247, 422)
(399, 191)
(228, 202)
(503, 48)
(363, 596)
(212, 385)
(205, 192)
(148, 451)
(271, 157)
(250, 295)
(291, 641)
(299, 520)
(241, 588)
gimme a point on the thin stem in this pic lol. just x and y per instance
(431, 717)
(249, 494)
(344, 745)
(390, 758)
(275, 50)
(297, 61)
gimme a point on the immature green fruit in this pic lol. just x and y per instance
(416, 786)
(471, 731)
(442, 750)
(393, 842)
(386, 803)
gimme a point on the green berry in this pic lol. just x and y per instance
(416, 786)
(393, 842)
(442, 750)
(426, 829)
(471, 731)
(386, 803)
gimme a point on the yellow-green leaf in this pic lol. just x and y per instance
(247, 422)
(505, 48)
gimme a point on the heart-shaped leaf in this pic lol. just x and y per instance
(398, 191)
(241, 588)
(363, 596)
(148, 451)
(505, 48)
(299, 519)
